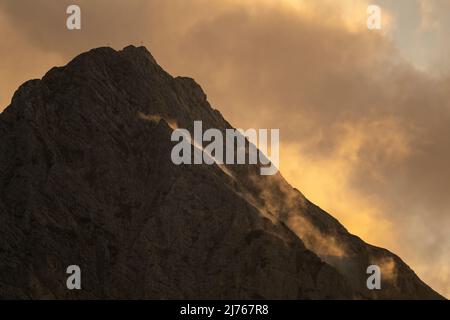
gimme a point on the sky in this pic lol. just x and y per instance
(364, 115)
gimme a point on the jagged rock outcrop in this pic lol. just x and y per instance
(86, 179)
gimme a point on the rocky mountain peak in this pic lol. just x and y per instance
(86, 179)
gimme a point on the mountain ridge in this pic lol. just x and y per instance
(87, 179)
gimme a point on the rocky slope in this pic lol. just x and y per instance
(86, 179)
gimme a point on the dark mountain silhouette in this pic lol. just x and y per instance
(86, 179)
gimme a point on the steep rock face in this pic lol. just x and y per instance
(86, 179)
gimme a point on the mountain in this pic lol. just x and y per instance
(86, 179)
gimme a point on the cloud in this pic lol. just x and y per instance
(364, 134)
(429, 14)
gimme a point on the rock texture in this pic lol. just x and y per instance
(86, 179)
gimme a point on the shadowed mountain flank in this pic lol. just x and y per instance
(87, 179)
